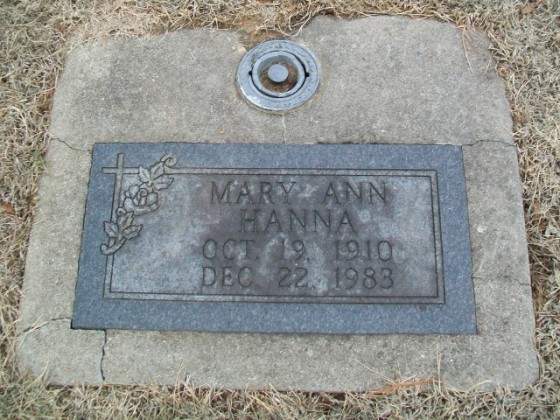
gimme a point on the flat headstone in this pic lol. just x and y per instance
(386, 80)
(285, 238)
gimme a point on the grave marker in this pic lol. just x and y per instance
(263, 238)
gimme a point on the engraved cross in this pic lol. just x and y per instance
(118, 171)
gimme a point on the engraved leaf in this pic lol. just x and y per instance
(144, 174)
(111, 229)
(162, 182)
(132, 231)
(154, 178)
(157, 170)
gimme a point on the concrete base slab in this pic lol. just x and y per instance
(385, 79)
(61, 355)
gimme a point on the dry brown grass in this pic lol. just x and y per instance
(36, 35)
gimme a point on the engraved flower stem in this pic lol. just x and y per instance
(114, 243)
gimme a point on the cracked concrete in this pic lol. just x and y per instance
(77, 149)
(103, 355)
(60, 355)
(385, 80)
(476, 142)
(40, 324)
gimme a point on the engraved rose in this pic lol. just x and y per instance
(138, 199)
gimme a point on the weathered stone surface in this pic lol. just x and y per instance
(392, 79)
(175, 87)
(308, 362)
(181, 88)
(401, 80)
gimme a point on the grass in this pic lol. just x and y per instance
(34, 39)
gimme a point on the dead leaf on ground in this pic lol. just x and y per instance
(529, 8)
(392, 388)
(7, 208)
